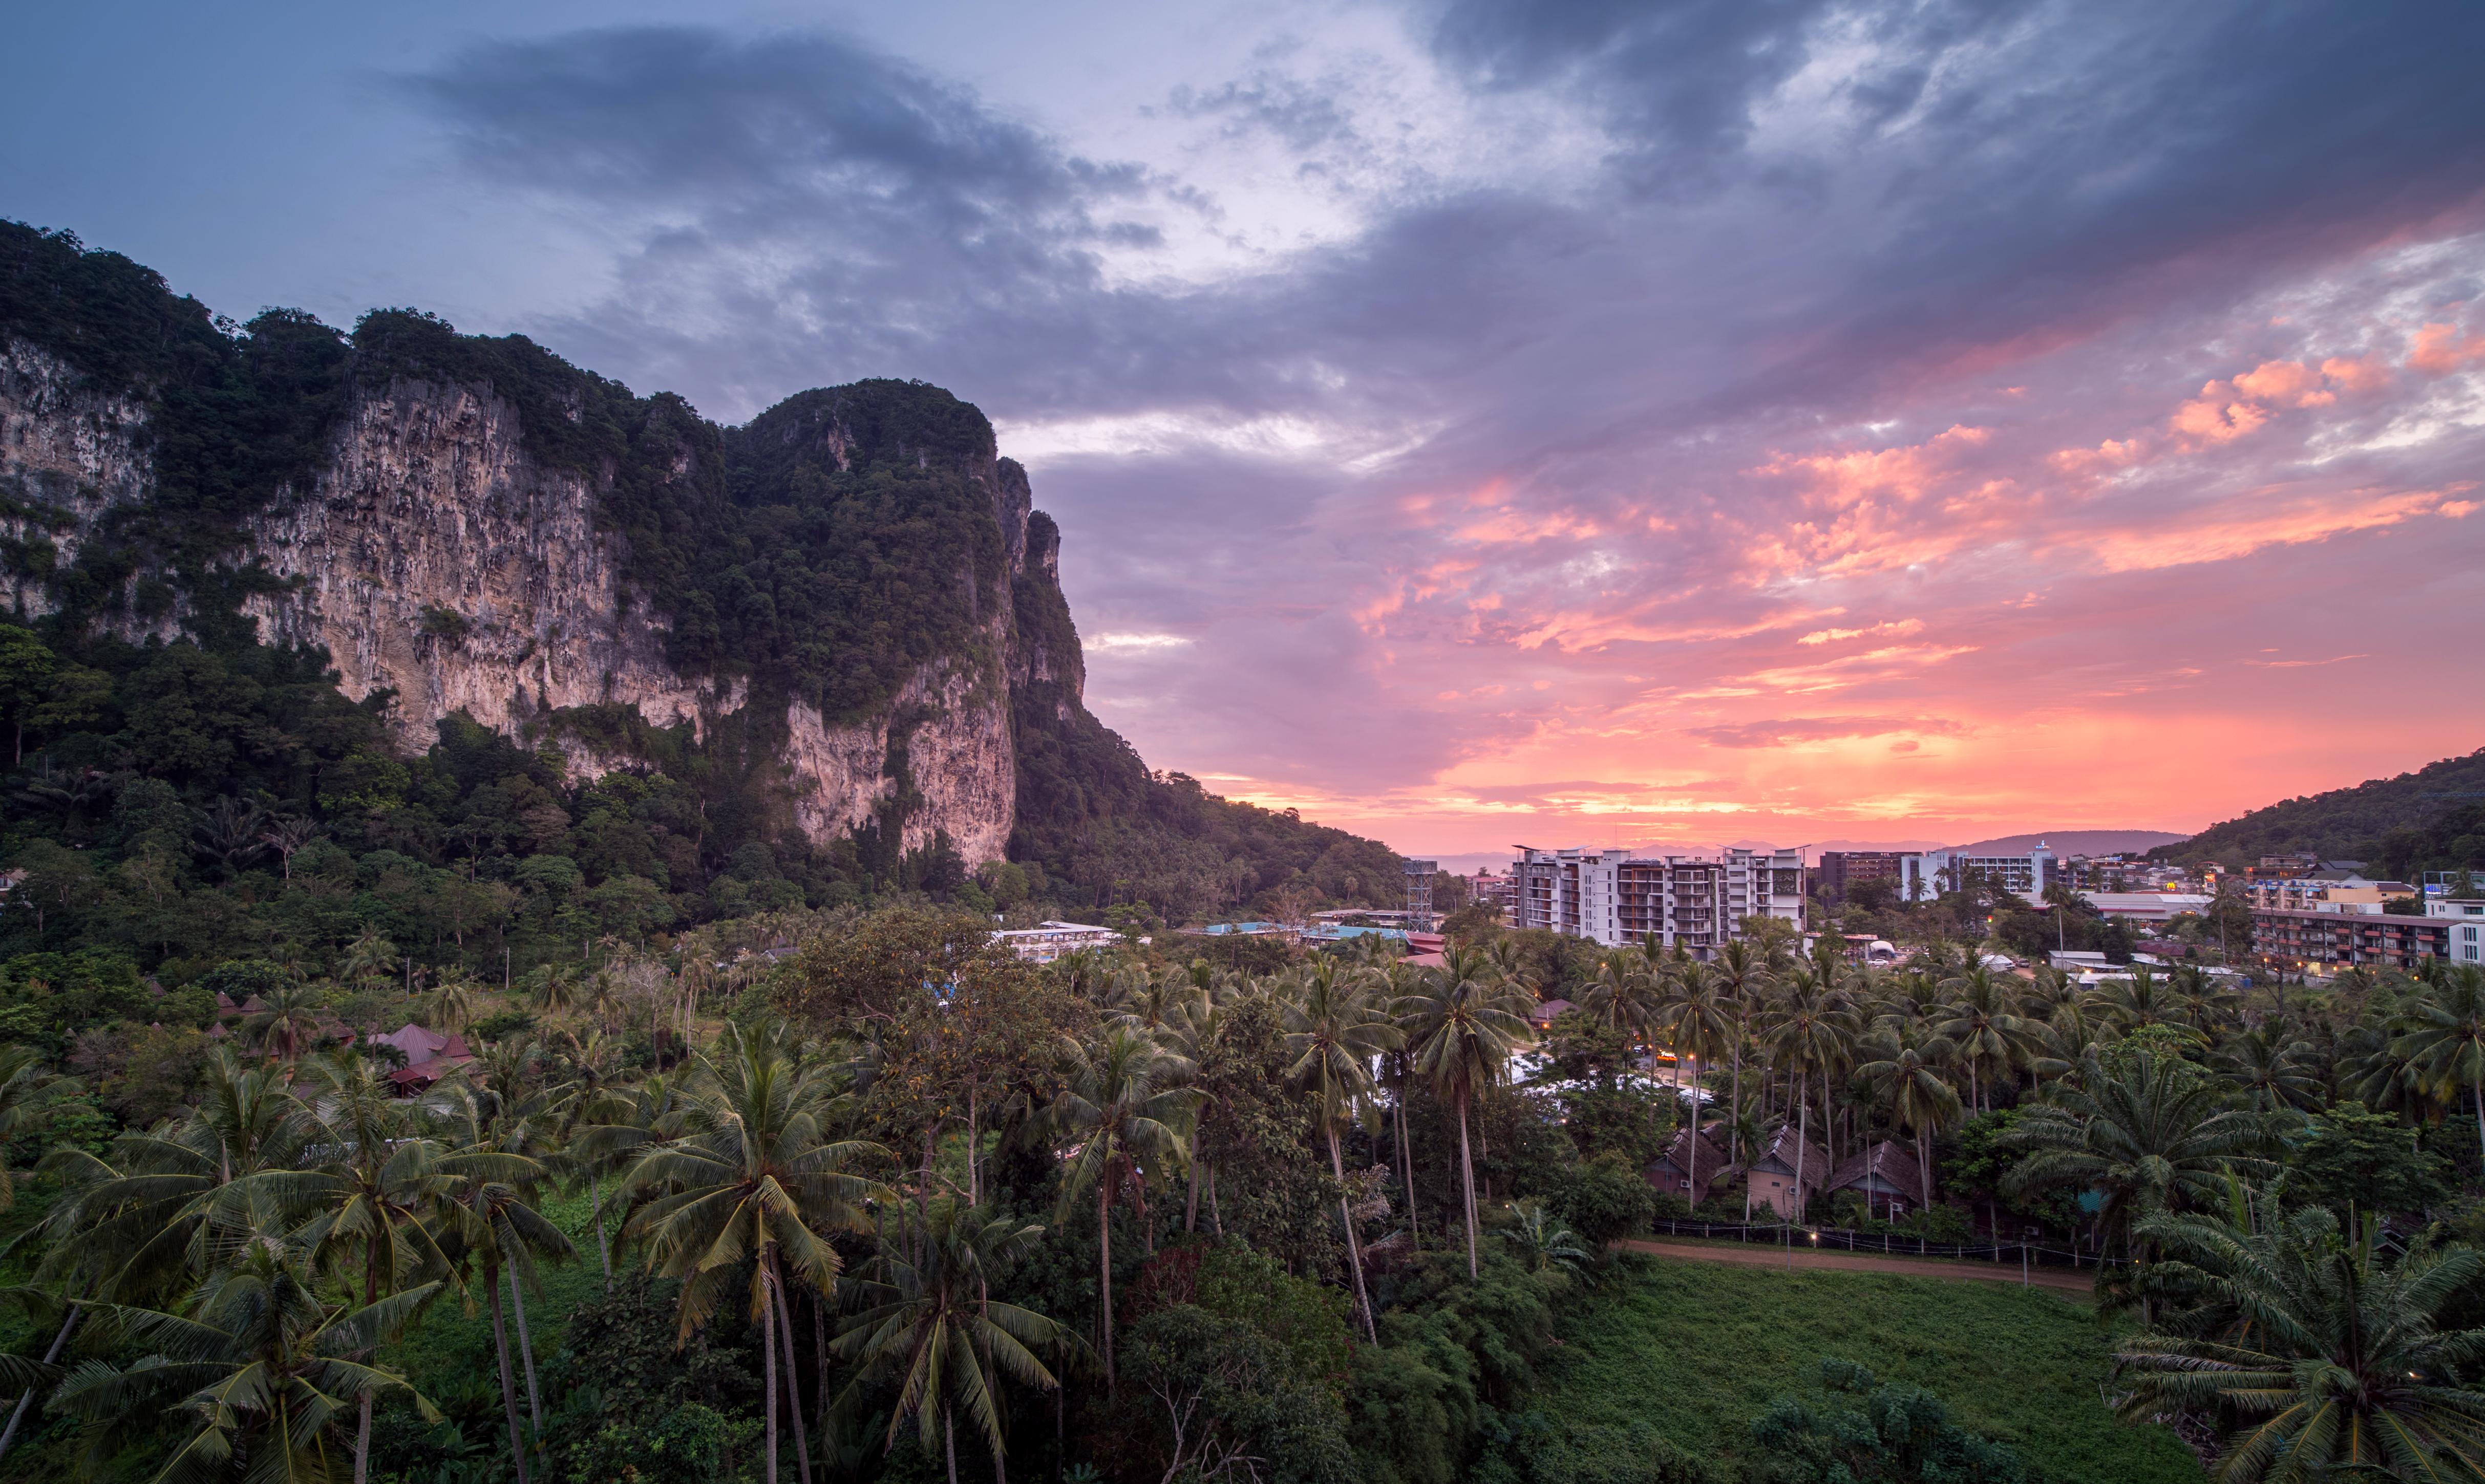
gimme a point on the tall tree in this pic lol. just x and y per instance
(928, 1324)
(1334, 1028)
(1461, 1024)
(1126, 1105)
(755, 1178)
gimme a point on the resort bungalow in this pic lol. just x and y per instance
(1886, 1176)
(1773, 1174)
(1671, 1171)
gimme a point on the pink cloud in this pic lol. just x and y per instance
(2213, 418)
(2286, 381)
(2440, 350)
(2358, 373)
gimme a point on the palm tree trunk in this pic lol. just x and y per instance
(1407, 1164)
(1190, 1201)
(1466, 1171)
(603, 1251)
(1105, 1263)
(26, 1398)
(793, 1375)
(1693, 1174)
(1802, 1145)
(508, 1388)
(1215, 1216)
(1354, 1248)
(974, 1188)
(768, 1364)
(820, 1361)
(949, 1441)
(526, 1353)
(1735, 1100)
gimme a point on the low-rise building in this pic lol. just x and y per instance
(1671, 1171)
(1886, 1176)
(2316, 941)
(1048, 941)
(1773, 1176)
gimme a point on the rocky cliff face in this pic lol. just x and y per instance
(68, 454)
(435, 555)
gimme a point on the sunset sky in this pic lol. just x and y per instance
(1493, 421)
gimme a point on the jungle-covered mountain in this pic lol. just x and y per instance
(2430, 820)
(490, 650)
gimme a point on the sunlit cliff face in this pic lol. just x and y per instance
(1487, 419)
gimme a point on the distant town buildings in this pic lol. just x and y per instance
(1696, 902)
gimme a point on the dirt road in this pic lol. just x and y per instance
(1755, 1256)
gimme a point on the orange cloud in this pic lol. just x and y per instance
(2113, 453)
(2440, 351)
(2359, 373)
(2281, 381)
(2214, 418)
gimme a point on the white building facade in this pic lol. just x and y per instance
(1693, 902)
(1927, 875)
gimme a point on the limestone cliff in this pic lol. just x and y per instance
(434, 554)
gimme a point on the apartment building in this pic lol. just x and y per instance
(1927, 875)
(1842, 870)
(1693, 902)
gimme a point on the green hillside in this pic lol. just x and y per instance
(2430, 820)
(1696, 1351)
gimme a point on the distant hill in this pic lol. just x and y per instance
(2078, 841)
(2430, 820)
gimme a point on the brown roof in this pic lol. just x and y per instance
(1782, 1149)
(1892, 1161)
(1712, 1156)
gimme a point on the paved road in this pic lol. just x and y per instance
(1757, 1256)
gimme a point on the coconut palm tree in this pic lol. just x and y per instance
(255, 1363)
(2333, 1363)
(2444, 1038)
(1461, 1024)
(753, 1176)
(486, 1214)
(1629, 996)
(1696, 1024)
(2272, 1065)
(1904, 1077)
(370, 960)
(2147, 1132)
(287, 1021)
(1809, 1030)
(1978, 1022)
(26, 1087)
(168, 1200)
(929, 1325)
(452, 1004)
(369, 1196)
(1125, 1107)
(1743, 981)
(1334, 1028)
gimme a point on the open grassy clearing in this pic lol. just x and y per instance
(1698, 1350)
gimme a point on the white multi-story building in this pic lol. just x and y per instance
(1927, 875)
(1694, 902)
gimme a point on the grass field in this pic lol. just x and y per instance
(1698, 1350)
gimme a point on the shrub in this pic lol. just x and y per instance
(1603, 1200)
